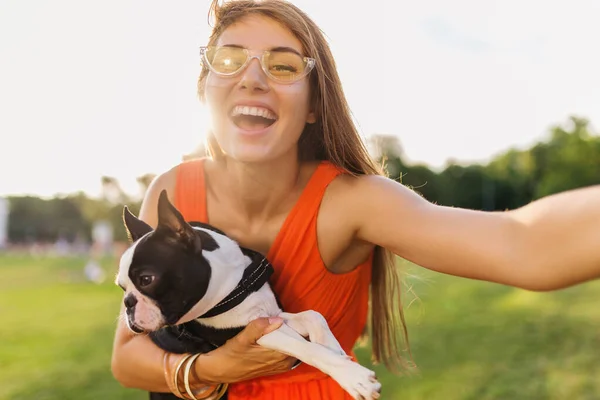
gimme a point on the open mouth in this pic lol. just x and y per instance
(252, 118)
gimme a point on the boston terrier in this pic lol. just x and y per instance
(191, 288)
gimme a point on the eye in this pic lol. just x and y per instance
(146, 280)
(284, 68)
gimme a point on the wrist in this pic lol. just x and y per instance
(206, 371)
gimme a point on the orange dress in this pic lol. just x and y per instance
(301, 282)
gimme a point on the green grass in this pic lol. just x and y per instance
(57, 331)
(471, 340)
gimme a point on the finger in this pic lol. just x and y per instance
(259, 327)
(274, 323)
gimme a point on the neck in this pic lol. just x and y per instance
(258, 189)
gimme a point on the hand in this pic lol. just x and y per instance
(242, 359)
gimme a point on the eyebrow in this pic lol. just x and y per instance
(284, 48)
(277, 48)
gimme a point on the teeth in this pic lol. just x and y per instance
(256, 111)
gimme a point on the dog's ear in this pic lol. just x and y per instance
(172, 223)
(136, 228)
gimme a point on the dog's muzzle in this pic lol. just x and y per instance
(130, 301)
(133, 326)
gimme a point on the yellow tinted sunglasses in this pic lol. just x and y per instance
(281, 64)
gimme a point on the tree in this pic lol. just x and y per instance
(112, 191)
(570, 159)
(144, 181)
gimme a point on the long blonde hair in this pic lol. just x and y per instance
(334, 138)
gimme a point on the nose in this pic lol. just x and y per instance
(130, 301)
(254, 78)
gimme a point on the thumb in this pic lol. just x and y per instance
(261, 326)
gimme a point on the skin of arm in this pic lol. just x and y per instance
(549, 244)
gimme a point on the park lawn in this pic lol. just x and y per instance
(470, 340)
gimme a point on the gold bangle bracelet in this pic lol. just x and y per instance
(186, 375)
(206, 392)
(217, 392)
(222, 390)
(177, 392)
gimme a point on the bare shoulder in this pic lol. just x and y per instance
(353, 218)
(164, 181)
(375, 209)
(365, 192)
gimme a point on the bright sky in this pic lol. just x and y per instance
(86, 88)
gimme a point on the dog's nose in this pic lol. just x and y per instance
(130, 300)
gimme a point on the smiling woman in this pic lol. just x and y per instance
(289, 177)
(279, 59)
(282, 64)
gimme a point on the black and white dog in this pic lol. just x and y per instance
(192, 288)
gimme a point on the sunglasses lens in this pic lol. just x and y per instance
(285, 65)
(226, 60)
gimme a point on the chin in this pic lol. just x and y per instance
(255, 153)
(133, 327)
(251, 155)
(254, 147)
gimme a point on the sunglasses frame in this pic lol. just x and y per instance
(310, 64)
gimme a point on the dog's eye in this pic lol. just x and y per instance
(145, 280)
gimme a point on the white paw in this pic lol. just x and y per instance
(319, 332)
(326, 339)
(334, 346)
(357, 380)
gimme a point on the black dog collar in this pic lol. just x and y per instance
(255, 276)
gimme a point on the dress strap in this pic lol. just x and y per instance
(190, 191)
(303, 215)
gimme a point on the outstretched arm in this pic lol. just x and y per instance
(549, 244)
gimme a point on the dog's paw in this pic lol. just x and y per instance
(332, 344)
(313, 325)
(360, 382)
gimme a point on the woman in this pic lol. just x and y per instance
(289, 176)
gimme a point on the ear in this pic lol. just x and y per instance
(172, 223)
(311, 118)
(136, 228)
